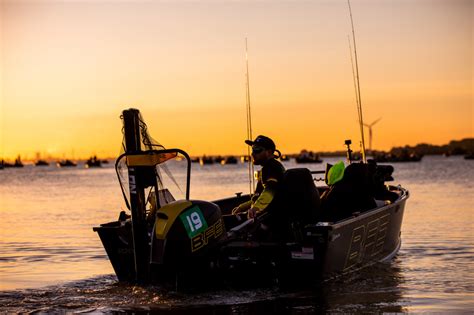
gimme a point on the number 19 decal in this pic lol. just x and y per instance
(193, 221)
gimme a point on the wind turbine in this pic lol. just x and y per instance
(370, 132)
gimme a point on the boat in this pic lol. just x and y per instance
(93, 162)
(17, 163)
(206, 160)
(397, 156)
(307, 157)
(229, 160)
(308, 233)
(41, 163)
(244, 159)
(65, 163)
(469, 156)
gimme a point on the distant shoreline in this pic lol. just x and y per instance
(454, 147)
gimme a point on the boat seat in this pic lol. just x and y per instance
(354, 193)
(296, 204)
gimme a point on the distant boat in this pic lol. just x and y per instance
(229, 160)
(205, 160)
(403, 156)
(308, 157)
(17, 163)
(105, 161)
(93, 162)
(244, 158)
(66, 163)
(469, 156)
(41, 163)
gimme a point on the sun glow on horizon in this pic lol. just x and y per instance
(69, 69)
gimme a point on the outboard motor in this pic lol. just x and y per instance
(184, 230)
(160, 232)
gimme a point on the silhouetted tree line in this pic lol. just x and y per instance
(455, 147)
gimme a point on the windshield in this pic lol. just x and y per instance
(162, 172)
(156, 170)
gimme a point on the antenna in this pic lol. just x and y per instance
(249, 122)
(358, 98)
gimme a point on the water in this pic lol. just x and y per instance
(51, 260)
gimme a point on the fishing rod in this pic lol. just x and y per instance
(357, 83)
(249, 122)
(354, 77)
(356, 95)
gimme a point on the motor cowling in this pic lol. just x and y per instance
(185, 229)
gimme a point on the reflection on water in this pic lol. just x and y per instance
(372, 291)
(47, 244)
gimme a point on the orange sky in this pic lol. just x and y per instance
(68, 69)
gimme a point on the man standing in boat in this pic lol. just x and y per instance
(269, 177)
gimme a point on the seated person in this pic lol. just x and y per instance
(269, 179)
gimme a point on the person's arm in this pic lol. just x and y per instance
(265, 198)
(242, 207)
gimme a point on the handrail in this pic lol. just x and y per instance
(151, 152)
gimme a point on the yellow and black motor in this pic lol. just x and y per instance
(185, 229)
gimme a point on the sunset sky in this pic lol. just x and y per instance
(68, 69)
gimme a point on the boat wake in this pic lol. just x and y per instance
(374, 290)
(105, 294)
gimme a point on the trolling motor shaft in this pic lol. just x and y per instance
(131, 124)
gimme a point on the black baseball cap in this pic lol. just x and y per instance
(263, 142)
